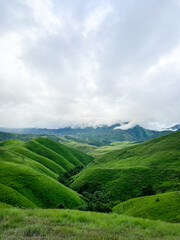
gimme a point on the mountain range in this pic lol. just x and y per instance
(99, 136)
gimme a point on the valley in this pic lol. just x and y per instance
(128, 180)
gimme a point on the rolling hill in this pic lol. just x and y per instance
(125, 173)
(29, 173)
(165, 206)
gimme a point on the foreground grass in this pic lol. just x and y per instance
(73, 224)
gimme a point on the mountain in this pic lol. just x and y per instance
(146, 168)
(98, 136)
(29, 173)
(175, 127)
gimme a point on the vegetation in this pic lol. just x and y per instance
(142, 180)
(71, 224)
(98, 202)
(100, 151)
(164, 206)
(127, 173)
(99, 136)
(67, 177)
(29, 173)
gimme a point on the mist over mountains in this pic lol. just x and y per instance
(102, 135)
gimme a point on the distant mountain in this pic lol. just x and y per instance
(102, 135)
(175, 127)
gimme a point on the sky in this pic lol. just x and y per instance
(75, 62)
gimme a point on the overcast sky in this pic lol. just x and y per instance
(70, 62)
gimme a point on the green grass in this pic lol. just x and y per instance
(83, 147)
(123, 184)
(34, 178)
(94, 150)
(42, 190)
(71, 224)
(4, 205)
(10, 196)
(61, 150)
(164, 206)
(43, 151)
(32, 160)
(122, 174)
(99, 151)
(162, 152)
(10, 143)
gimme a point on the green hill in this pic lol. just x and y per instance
(4, 205)
(29, 172)
(124, 174)
(10, 196)
(161, 153)
(165, 206)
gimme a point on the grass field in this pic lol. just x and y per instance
(165, 206)
(31, 181)
(70, 224)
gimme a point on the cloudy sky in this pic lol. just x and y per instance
(70, 62)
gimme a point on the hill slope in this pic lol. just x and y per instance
(164, 206)
(123, 174)
(29, 171)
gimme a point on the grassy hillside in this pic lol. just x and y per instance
(70, 224)
(164, 206)
(123, 174)
(123, 184)
(99, 151)
(30, 161)
(43, 151)
(10, 196)
(40, 189)
(94, 150)
(4, 205)
(29, 173)
(161, 153)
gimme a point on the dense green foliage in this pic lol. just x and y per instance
(165, 206)
(71, 224)
(123, 184)
(67, 177)
(29, 172)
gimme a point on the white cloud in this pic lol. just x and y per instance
(95, 19)
(71, 62)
